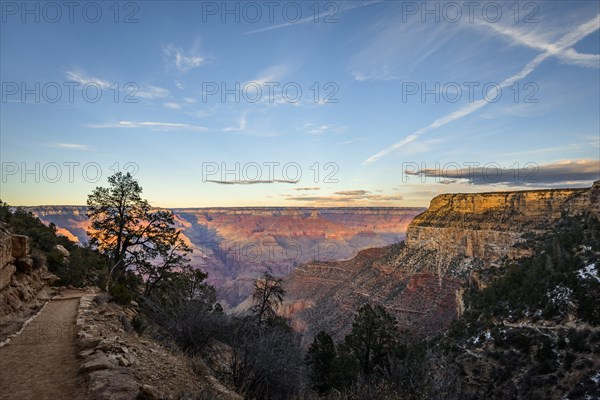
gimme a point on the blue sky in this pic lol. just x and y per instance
(369, 132)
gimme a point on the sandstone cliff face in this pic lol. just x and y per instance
(421, 280)
(490, 226)
(14, 256)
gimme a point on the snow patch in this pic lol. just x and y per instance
(560, 295)
(596, 378)
(589, 272)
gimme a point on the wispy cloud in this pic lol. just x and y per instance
(242, 123)
(352, 140)
(252, 182)
(166, 126)
(71, 146)
(177, 57)
(272, 74)
(352, 193)
(561, 173)
(83, 79)
(559, 47)
(382, 56)
(532, 40)
(142, 90)
(307, 189)
(329, 12)
(315, 129)
(172, 105)
(151, 92)
(353, 197)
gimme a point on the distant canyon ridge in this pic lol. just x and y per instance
(235, 245)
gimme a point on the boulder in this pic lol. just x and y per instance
(113, 384)
(20, 246)
(65, 253)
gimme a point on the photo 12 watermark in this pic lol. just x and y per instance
(271, 252)
(272, 12)
(515, 12)
(454, 92)
(69, 92)
(64, 172)
(270, 92)
(71, 12)
(268, 172)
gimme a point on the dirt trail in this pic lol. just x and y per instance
(41, 363)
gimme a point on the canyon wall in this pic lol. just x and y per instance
(491, 226)
(235, 245)
(421, 280)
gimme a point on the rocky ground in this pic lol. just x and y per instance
(119, 363)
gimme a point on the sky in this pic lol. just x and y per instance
(348, 103)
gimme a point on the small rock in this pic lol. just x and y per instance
(99, 363)
(122, 361)
(65, 253)
(86, 353)
(87, 341)
(148, 392)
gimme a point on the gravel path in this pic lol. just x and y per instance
(41, 363)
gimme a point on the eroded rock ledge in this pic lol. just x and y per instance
(490, 226)
(119, 364)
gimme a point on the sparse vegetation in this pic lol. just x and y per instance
(82, 267)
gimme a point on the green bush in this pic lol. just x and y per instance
(139, 324)
(121, 294)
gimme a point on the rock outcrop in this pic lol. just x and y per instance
(120, 364)
(7, 268)
(24, 286)
(421, 280)
(490, 226)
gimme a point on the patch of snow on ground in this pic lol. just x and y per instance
(589, 272)
(596, 378)
(560, 295)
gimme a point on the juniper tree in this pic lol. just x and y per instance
(134, 237)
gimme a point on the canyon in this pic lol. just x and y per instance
(422, 280)
(235, 245)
